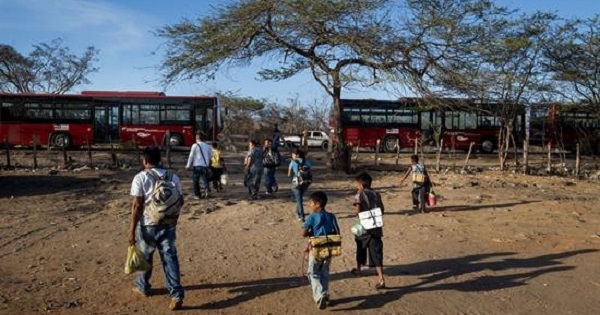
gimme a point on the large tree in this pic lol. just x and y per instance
(572, 57)
(49, 68)
(334, 40)
(341, 43)
(505, 70)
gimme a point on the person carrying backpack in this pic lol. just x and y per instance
(271, 160)
(421, 183)
(157, 201)
(299, 166)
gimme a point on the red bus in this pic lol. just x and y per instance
(565, 126)
(103, 117)
(404, 120)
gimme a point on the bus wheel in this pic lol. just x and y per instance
(60, 140)
(389, 144)
(487, 146)
(175, 140)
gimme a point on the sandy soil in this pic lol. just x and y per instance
(497, 243)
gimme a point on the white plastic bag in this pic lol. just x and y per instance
(223, 179)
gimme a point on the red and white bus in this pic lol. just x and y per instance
(565, 126)
(408, 120)
(103, 116)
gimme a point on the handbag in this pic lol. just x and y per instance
(326, 246)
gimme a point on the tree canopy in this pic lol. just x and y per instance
(49, 68)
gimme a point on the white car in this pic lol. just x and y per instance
(316, 138)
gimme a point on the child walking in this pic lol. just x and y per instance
(217, 164)
(298, 159)
(421, 183)
(370, 243)
(319, 223)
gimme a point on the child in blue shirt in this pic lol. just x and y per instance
(319, 223)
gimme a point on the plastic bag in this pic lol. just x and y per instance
(357, 229)
(135, 261)
(223, 179)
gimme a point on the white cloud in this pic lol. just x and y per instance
(108, 26)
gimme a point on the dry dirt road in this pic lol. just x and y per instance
(497, 243)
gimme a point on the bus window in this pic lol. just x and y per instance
(149, 115)
(179, 116)
(11, 112)
(34, 111)
(72, 112)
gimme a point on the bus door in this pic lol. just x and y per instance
(200, 122)
(106, 123)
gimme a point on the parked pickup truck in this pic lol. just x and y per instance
(315, 139)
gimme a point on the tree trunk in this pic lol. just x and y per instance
(341, 154)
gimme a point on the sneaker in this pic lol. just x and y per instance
(139, 292)
(275, 187)
(322, 304)
(268, 194)
(175, 304)
(196, 197)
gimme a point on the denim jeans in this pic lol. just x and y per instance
(270, 180)
(318, 274)
(161, 237)
(299, 195)
(418, 197)
(198, 174)
(254, 180)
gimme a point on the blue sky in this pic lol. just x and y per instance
(123, 32)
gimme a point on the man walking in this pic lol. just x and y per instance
(200, 155)
(154, 231)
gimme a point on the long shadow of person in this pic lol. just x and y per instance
(437, 272)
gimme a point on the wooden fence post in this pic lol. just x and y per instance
(577, 161)
(7, 150)
(549, 158)
(397, 150)
(416, 145)
(377, 144)
(467, 158)
(137, 151)
(36, 139)
(89, 150)
(439, 156)
(65, 157)
(168, 148)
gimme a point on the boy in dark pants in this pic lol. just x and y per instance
(369, 244)
(419, 188)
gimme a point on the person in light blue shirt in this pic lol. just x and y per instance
(319, 223)
(298, 159)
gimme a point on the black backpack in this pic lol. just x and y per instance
(271, 158)
(304, 177)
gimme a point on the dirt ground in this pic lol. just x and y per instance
(496, 243)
